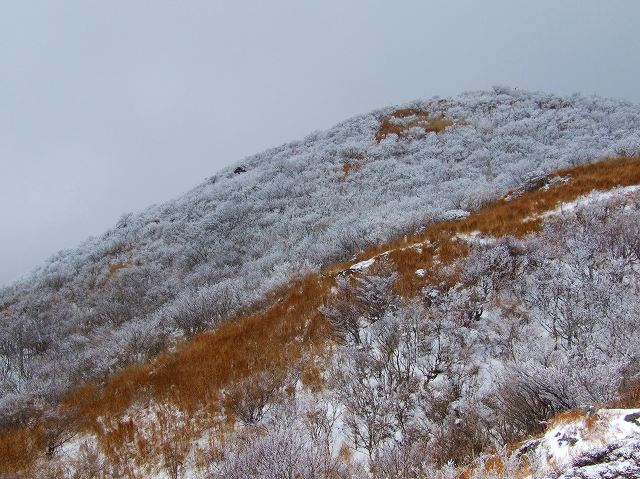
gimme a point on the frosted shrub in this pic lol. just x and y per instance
(295, 205)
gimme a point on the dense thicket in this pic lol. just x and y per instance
(532, 327)
(180, 267)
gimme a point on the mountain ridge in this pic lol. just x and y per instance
(266, 343)
(217, 252)
(293, 210)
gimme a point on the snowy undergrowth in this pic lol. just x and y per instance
(532, 327)
(583, 442)
(183, 266)
(593, 444)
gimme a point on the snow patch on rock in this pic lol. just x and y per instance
(598, 444)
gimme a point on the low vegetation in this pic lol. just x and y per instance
(402, 120)
(389, 356)
(177, 269)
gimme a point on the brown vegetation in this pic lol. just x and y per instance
(118, 265)
(17, 446)
(589, 418)
(115, 267)
(629, 395)
(494, 466)
(401, 120)
(438, 244)
(354, 160)
(264, 352)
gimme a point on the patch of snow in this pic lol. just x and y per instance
(595, 196)
(568, 444)
(71, 448)
(618, 461)
(362, 265)
(556, 180)
(475, 237)
(455, 214)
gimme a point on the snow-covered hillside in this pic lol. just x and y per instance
(592, 443)
(601, 443)
(183, 266)
(504, 337)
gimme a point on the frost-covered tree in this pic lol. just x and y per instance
(296, 208)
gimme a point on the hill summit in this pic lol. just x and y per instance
(401, 260)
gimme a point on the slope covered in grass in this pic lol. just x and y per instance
(379, 364)
(183, 266)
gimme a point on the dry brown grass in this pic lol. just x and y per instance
(349, 166)
(346, 168)
(505, 217)
(629, 396)
(494, 466)
(285, 331)
(390, 124)
(191, 378)
(16, 445)
(353, 161)
(117, 266)
(436, 245)
(573, 415)
(312, 378)
(345, 453)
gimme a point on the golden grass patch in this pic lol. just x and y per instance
(283, 331)
(397, 124)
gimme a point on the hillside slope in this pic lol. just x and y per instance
(431, 322)
(413, 360)
(181, 267)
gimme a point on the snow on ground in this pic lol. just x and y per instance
(455, 214)
(475, 237)
(618, 461)
(595, 196)
(70, 449)
(598, 444)
(362, 265)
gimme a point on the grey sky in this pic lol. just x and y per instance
(109, 106)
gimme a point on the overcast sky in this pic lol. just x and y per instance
(109, 106)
